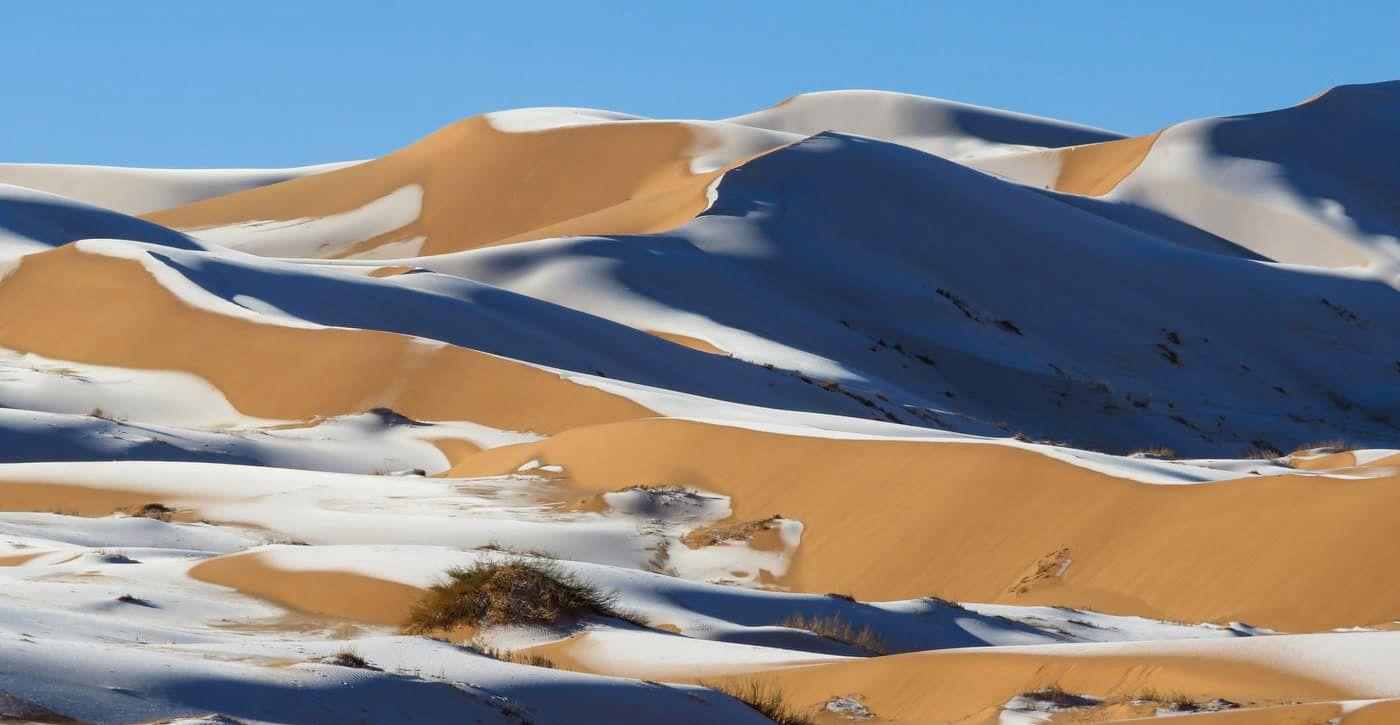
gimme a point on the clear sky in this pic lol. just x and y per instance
(257, 83)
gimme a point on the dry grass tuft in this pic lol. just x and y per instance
(348, 658)
(519, 591)
(518, 658)
(762, 695)
(837, 629)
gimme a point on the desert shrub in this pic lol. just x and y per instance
(348, 658)
(1052, 694)
(764, 696)
(837, 629)
(517, 591)
(1060, 697)
(1168, 700)
(158, 511)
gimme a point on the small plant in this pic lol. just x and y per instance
(518, 591)
(764, 696)
(348, 658)
(837, 629)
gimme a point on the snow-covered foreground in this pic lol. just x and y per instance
(914, 410)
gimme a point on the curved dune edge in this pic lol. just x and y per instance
(1329, 462)
(455, 450)
(1391, 460)
(70, 305)
(71, 500)
(917, 686)
(22, 559)
(1093, 169)
(483, 186)
(948, 685)
(896, 520)
(693, 343)
(340, 594)
(1096, 169)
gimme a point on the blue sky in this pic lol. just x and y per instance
(253, 83)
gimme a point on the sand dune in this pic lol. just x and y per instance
(949, 129)
(111, 311)
(935, 315)
(1282, 184)
(908, 407)
(482, 186)
(891, 520)
(1090, 170)
(948, 687)
(142, 191)
(330, 593)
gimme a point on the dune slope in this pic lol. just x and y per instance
(913, 410)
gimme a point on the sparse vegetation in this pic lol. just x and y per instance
(519, 591)
(1336, 445)
(836, 629)
(741, 531)
(931, 599)
(518, 658)
(1161, 452)
(158, 511)
(762, 695)
(517, 551)
(1176, 701)
(1050, 693)
(348, 658)
(1060, 697)
(658, 488)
